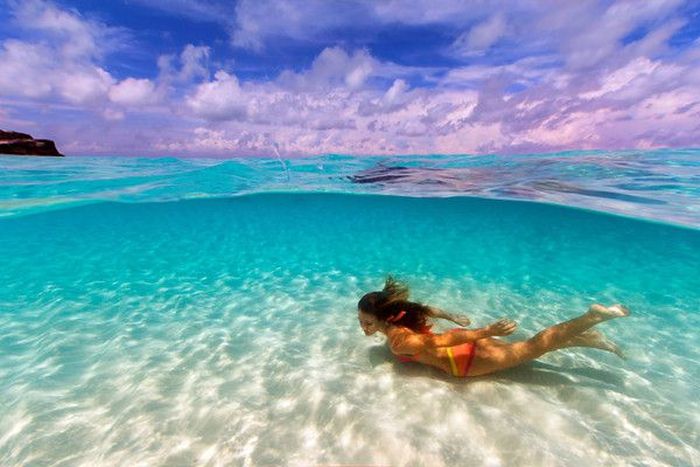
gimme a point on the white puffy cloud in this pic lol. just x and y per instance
(83, 86)
(18, 73)
(333, 67)
(318, 110)
(220, 99)
(61, 63)
(133, 92)
(76, 37)
(30, 70)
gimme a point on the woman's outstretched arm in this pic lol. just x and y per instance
(434, 312)
(502, 327)
(412, 343)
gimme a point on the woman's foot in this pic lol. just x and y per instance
(595, 340)
(605, 313)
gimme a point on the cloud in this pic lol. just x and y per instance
(482, 36)
(193, 64)
(30, 70)
(220, 99)
(318, 110)
(588, 34)
(78, 37)
(89, 85)
(20, 63)
(133, 92)
(529, 77)
(72, 35)
(333, 67)
(211, 11)
(260, 21)
(59, 62)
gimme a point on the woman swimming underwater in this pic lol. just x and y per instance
(471, 352)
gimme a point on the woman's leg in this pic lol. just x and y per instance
(490, 358)
(593, 339)
(590, 338)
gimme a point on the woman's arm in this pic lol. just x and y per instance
(502, 327)
(413, 343)
(438, 313)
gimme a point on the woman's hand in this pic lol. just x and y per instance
(461, 320)
(502, 327)
(458, 319)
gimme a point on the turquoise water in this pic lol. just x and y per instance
(170, 312)
(661, 185)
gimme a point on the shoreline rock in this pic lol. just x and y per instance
(21, 144)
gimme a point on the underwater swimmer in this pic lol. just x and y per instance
(471, 352)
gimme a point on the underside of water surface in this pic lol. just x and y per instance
(224, 331)
(660, 185)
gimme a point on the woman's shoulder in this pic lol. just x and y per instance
(397, 335)
(398, 331)
(403, 340)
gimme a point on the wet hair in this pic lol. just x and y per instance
(391, 301)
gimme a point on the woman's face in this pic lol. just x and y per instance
(369, 323)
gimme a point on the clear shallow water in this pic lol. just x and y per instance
(219, 331)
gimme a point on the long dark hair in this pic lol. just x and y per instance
(388, 303)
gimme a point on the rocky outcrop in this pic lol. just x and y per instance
(22, 144)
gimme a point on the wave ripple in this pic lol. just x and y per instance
(661, 185)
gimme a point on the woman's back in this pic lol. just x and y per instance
(454, 360)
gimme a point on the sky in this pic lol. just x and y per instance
(367, 77)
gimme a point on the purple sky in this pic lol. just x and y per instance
(224, 77)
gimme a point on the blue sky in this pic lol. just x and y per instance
(223, 77)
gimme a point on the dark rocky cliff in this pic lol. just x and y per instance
(22, 144)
